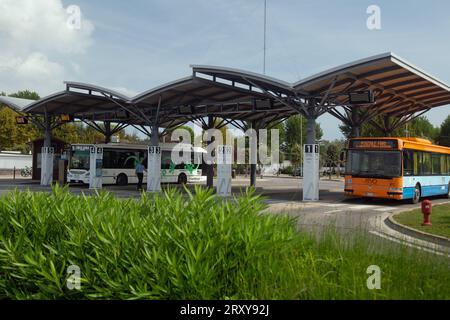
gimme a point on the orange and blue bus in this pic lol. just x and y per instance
(396, 168)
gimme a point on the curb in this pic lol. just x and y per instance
(435, 239)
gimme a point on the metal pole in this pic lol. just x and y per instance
(301, 143)
(210, 167)
(265, 22)
(311, 130)
(253, 165)
(107, 131)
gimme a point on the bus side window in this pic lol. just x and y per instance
(417, 163)
(443, 164)
(408, 163)
(426, 163)
(448, 165)
(107, 157)
(165, 159)
(436, 163)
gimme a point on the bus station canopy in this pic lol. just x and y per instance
(16, 104)
(399, 88)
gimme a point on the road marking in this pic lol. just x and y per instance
(334, 204)
(360, 207)
(334, 211)
(404, 241)
(384, 209)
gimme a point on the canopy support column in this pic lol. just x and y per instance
(47, 153)
(154, 154)
(356, 123)
(253, 159)
(311, 129)
(210, 166)
(108, 132)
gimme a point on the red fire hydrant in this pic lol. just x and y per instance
(427, 208)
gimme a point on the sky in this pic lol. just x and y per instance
(132, 46)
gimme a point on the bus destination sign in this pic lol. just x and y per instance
(373, 144)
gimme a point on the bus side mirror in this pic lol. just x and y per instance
(342, 156)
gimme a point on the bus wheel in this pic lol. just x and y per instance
(182, 178)
(122, 179)
(417, 194)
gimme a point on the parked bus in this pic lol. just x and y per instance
(396, 168)
(119, 162)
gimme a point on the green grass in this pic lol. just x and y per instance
(440, 219)
(200, 247)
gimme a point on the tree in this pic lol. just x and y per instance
(12, 135)
(444, 136)
(420, 127)
(330, 153)
(296, 155)
(295, 125)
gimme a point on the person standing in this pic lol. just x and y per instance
(140, 168)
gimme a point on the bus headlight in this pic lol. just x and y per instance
(395, 191)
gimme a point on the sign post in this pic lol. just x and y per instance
(47, 155)
(311, 172)
(95, 168)
(224, 160)
(154, 169)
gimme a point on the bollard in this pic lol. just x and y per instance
(427, 208)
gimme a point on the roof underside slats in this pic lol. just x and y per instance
(399, 87)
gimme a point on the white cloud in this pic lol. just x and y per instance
(38, 44)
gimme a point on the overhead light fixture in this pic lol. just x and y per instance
(361, 97)
(21, 120)
(66, 118)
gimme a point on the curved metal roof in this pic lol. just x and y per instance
(399, 86)
(17, 104)
(193, 97)
(70, 85)
(243, 77)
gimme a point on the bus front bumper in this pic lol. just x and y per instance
(385, 194)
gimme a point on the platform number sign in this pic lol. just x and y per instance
(310, 185)
(311, 148)
(154, 150)
(154, 169)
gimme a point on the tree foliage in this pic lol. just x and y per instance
(420, 127)
(444, 136)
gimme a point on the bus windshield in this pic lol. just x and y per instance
(80, 158)
(376, 164)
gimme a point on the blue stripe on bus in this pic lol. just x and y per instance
(427, 191)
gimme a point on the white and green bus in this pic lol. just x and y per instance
(119, 163)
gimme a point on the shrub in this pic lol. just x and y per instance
(287, 170)
(189, 246)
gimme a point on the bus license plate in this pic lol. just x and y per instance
(369, 194)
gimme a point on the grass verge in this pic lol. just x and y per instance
(168, 246)
(440, 219)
